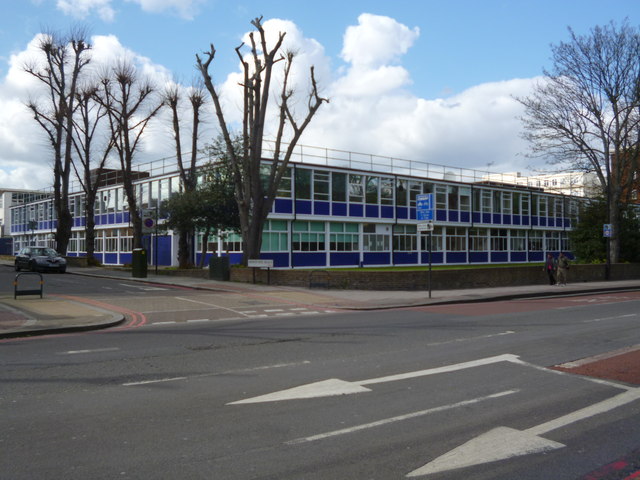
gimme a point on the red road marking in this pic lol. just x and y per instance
(137, 319)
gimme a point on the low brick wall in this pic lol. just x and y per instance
(440, 279)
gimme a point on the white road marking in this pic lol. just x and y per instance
(269, 310)
(211, 305)
(214, 374)
(399, 418)
(502, 443)
(466, 339)
(334, 387)
(198, 320)
(96, 350)
(143, 287)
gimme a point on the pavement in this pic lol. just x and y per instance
(29, 315)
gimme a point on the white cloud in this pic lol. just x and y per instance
(184, 8)
(83, 8)
(371, 109)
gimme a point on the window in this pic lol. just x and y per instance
(275, 237)
(542, 206)
(478, 240)
(386, 191)
(506, 203)
(518, 241)
(232, 242)
(284, 189)
(303, 184)
(111, 240)
(356, 192)
(343, 237)
(126, 240)
(535, 241)
(308, 236)
(534, 205)
(553, 241)
(558, 208)
(401, 193)
(441, 197)
(436, 240)
(499, 240)
(372, 190)
(525, 204)
(516, 203)
(486, 201)
(465, 199)
(497, 201)
(338, 187)
(320, 185)
(456, 239)
(414, 190)
(405, 238)
(374, 239)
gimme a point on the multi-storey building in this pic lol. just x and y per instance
(339, 209)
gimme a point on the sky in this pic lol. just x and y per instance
(422, 80)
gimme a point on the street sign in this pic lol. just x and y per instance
(148, 220)
(606, 230)
(426, 226)
(424, 206)
(260, 263)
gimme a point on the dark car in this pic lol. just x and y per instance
(40, 259)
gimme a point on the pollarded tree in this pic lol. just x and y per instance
(255, 193)
(60, 70)
(130, 104)
(585, 113)
(186, 166)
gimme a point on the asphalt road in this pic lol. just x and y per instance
(187, 399)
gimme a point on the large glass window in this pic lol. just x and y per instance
(553, 241)
(372, 186)
(126, 240)
(405, 238)
(441, 197)
(415, 188)
(320, 185)
(401, 193)
(386, 191)
(516, 203)
(499, 240)
(497, 201)
(465, 199)
(478, 239)
(356, 188)
(308, 236)
(284, 188)
(518, 240)
(373, 240)
(506, 203)
(275, 237)
(456, 239)
(339, 187)
(436, 240)
(343, 237)
(486, 201)
(535, 241)
(303, 184)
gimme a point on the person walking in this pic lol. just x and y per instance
(563, 266)
(550, 268)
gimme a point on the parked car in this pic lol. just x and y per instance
(40, 259)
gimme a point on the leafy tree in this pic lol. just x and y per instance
(588, 243)
(209, 209)
(585, 113)
(59, 68)
(255, 193)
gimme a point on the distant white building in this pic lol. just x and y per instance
(10, 197)
(578, 184)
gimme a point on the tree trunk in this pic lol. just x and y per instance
(184, 250)
(90, 226)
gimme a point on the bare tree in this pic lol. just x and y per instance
(64, 61)
(89, 118)
(187, 167)
(130, 105)
(585, 112)
(255, 195)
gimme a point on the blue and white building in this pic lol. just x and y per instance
(339, 209)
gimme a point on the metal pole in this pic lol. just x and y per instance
(430, 264)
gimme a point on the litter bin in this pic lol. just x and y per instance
(219, 268)
(139, 263)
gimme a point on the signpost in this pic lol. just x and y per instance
(425, 215)
(261, 263)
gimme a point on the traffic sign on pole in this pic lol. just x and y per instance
(424, 206)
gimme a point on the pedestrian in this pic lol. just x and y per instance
(563, 266)
(550, 268)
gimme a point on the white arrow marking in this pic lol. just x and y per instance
(503, 442)
(332, 387)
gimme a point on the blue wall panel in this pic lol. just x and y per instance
(497, 219)
(486, 218)
(372, 211)
(404, 258)
(506, 219)
(436, 257)
(344, 258)
(478, 257)
(441, 215)
(500, 257)
(465, 217)
(518, 256)
(454, 216)
(303, 207)
(339, 209)
(110, 258)
(280, 259)
(536, 256)
(457, 257)
(517, 219)
(321, 208)
(386, 211)
(283, 205)
(356, 210)
(120, 217)
(476, 217)
(164, 250)
(125, 258)
(376, 258)
(402, 212)
(303, 259)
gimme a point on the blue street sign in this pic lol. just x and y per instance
(606, 230)
(424, 206)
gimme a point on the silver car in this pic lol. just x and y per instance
(40, 259)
